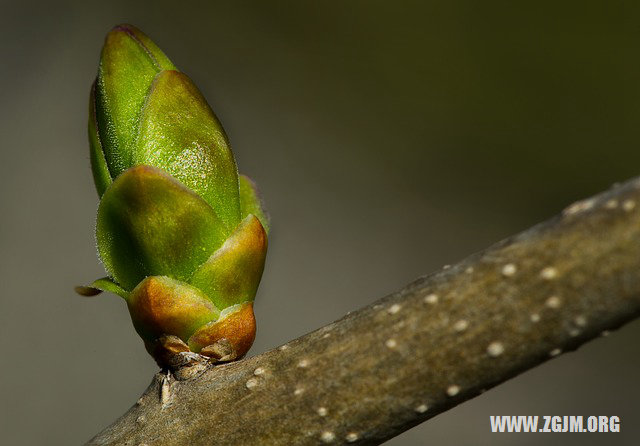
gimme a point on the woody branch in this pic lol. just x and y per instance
(440, 341)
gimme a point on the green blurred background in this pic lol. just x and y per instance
(388, 139)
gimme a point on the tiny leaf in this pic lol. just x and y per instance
(151, 224)
(128, 64)
(251, 203)
(180, 133)
(101, 174)
(100, 285)
(232, 274)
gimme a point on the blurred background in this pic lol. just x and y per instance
(388, 139)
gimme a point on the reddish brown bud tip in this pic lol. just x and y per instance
(228, 338)
(163, 306)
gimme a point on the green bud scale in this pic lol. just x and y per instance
(181, 235)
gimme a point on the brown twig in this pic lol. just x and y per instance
(440, 341)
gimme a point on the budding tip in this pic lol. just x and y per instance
(126, 28)
(123, 32)
(118, 30)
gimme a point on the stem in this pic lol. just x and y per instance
(440, 341)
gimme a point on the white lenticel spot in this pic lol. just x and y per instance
(391, 343)
(322, 411)
(555, 352)
(461, 325)
(141, 419)
(251, 383)
(283, 347)
(259, 371)
(579, 207)
(549, 273)
(495, 349)
(298, 391)
(351, 437)
(509, 270)
(326, 335)
(469, 270)
(422, 408)
(574, 332)
(535, 317)
(553, 302)
(580, 321)
(327, 436)
(393, 309)
(431, 299)
(628, 205)
(446, 267)
(303, 363)
(611, 204)
(453, 390)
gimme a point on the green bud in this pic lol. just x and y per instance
(180, 233)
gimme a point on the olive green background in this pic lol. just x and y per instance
(388, 139)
